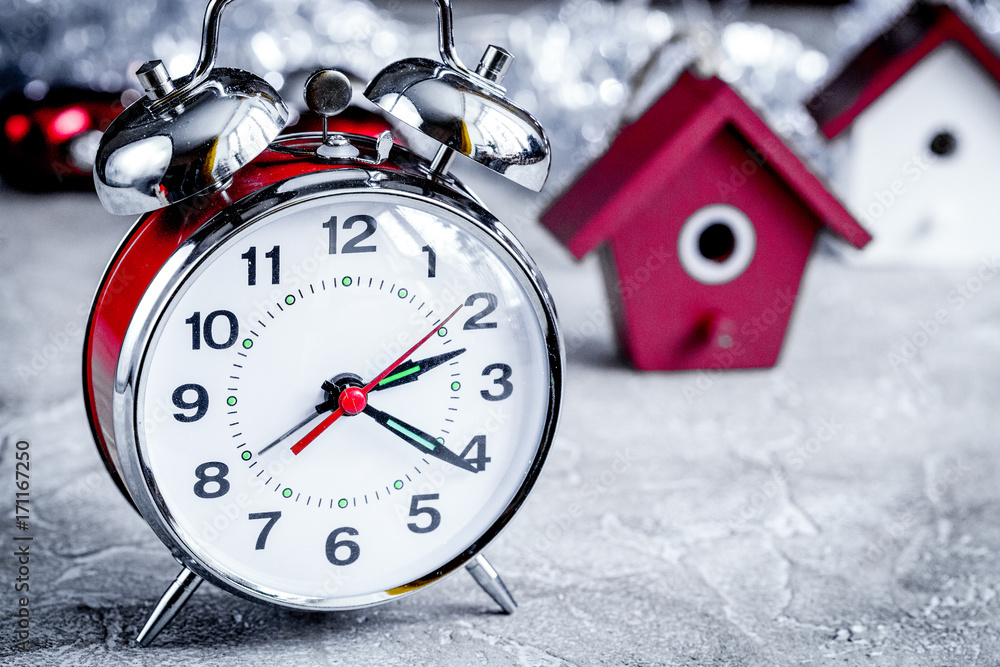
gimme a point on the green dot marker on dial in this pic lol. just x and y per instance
(442, 332)
(398, 484)
(402, 293)
(231, 400)
(455, 386)
(440, 441)
(287, 493)
(346, 282)
(289, 299)
(342, 502)
(247, 344)
(246, 456)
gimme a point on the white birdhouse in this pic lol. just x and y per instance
(915, 121)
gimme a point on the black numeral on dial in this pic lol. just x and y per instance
(199, 405)
(217, 480)
(272, 518)
(475, 322)
(209, 331)
(251, 257)
(333, 546)
(479, 460)
(506, 387)
(352, 245)
(433, 515)
(431, 261)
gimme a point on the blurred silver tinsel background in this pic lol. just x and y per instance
(582, 66)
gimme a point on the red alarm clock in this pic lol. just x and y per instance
(321, 370)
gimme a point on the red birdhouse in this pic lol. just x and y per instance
(705, 220)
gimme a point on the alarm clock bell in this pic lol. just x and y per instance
(187, 137)
(464, 110)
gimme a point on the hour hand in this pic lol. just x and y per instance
(424, 442)
(410, 370)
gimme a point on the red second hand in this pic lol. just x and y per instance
(339, 412)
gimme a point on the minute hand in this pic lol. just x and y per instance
(424, 442)
(411, 370)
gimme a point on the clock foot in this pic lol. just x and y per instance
(490, 581)
(170, 603)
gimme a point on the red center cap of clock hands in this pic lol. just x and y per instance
(353, 400)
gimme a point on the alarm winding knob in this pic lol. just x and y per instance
(328, 93)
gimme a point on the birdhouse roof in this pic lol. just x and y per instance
(878, 66)
(649, 153)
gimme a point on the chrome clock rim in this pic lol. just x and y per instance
(183, 266)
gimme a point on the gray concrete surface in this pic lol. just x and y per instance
(840, 508)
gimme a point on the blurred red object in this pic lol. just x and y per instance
(353, 120)
(50, 144)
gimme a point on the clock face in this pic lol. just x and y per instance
(343, 398)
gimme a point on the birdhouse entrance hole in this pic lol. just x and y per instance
(717, 242)
(944, 143)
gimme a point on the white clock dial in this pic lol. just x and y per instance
(288, 441)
